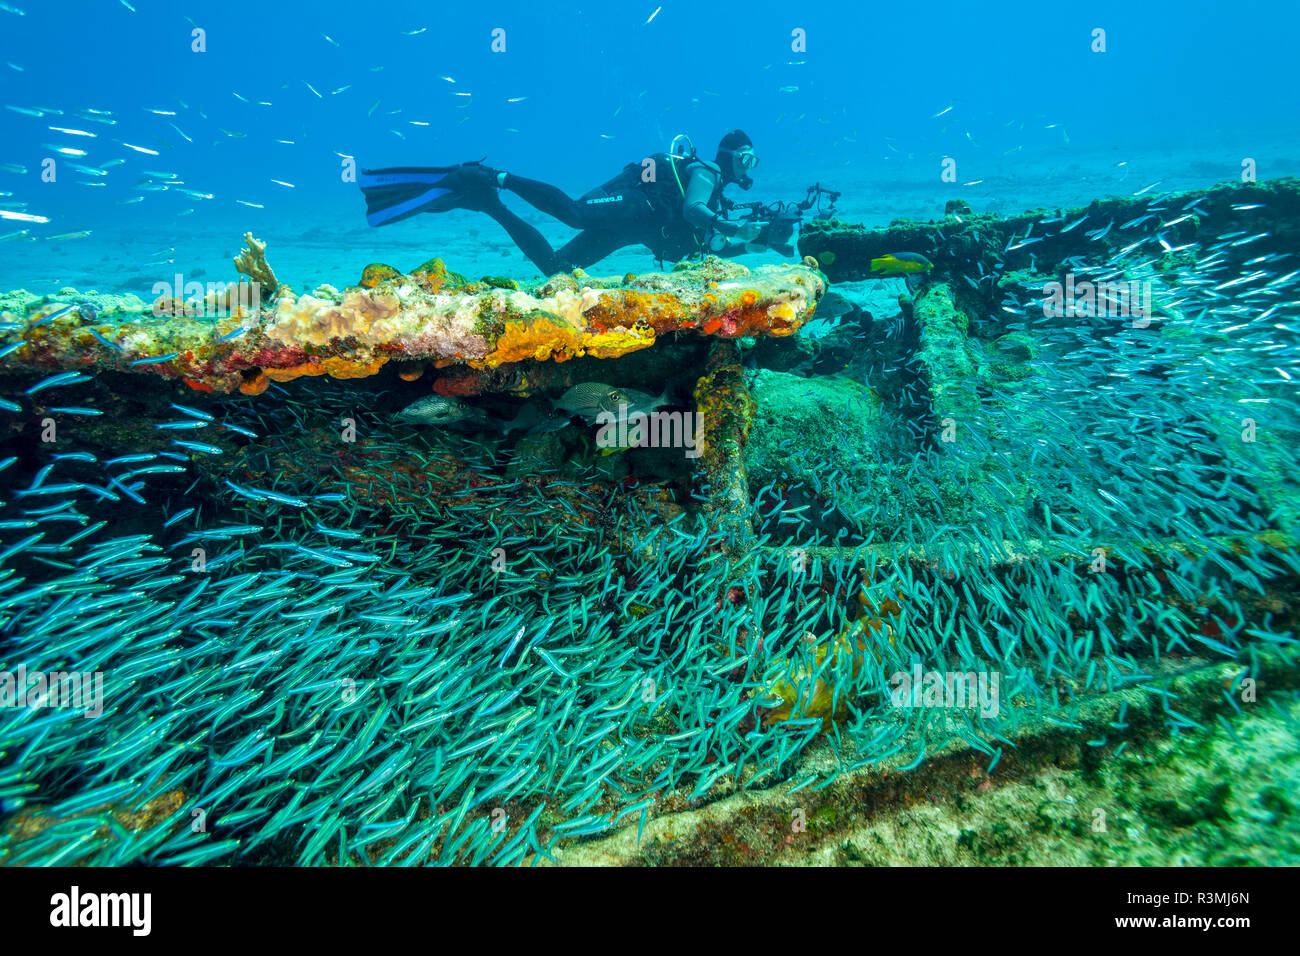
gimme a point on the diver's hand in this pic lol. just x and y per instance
(750, 231)
(752, 248)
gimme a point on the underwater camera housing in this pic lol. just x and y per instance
(780, 218)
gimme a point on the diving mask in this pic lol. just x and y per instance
(742, 161)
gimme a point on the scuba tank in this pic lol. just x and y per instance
(662, 194)
(666, 195)
(673, 157)
(692, 242)
(659, 192)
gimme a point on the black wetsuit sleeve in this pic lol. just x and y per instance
(699, 190)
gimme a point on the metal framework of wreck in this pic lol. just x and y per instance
(501, 337)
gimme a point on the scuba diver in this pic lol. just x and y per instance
(670, 203)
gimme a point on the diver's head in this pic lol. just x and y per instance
(736, 157)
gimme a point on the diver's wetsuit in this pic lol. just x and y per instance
(622, 212)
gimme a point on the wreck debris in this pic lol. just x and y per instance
(1045, 237)
(431, 315)
(727, 411)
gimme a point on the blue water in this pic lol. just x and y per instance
(1034, 116)
(338, 637)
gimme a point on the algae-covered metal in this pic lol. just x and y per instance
(229, 340)
(961, 239)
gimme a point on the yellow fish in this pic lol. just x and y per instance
(900, 264)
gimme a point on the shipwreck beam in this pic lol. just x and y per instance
(727, 409)
(1046, 237)
(228, 340)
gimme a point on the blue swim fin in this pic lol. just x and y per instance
(402, 191)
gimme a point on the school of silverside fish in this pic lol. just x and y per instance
(396, 653)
